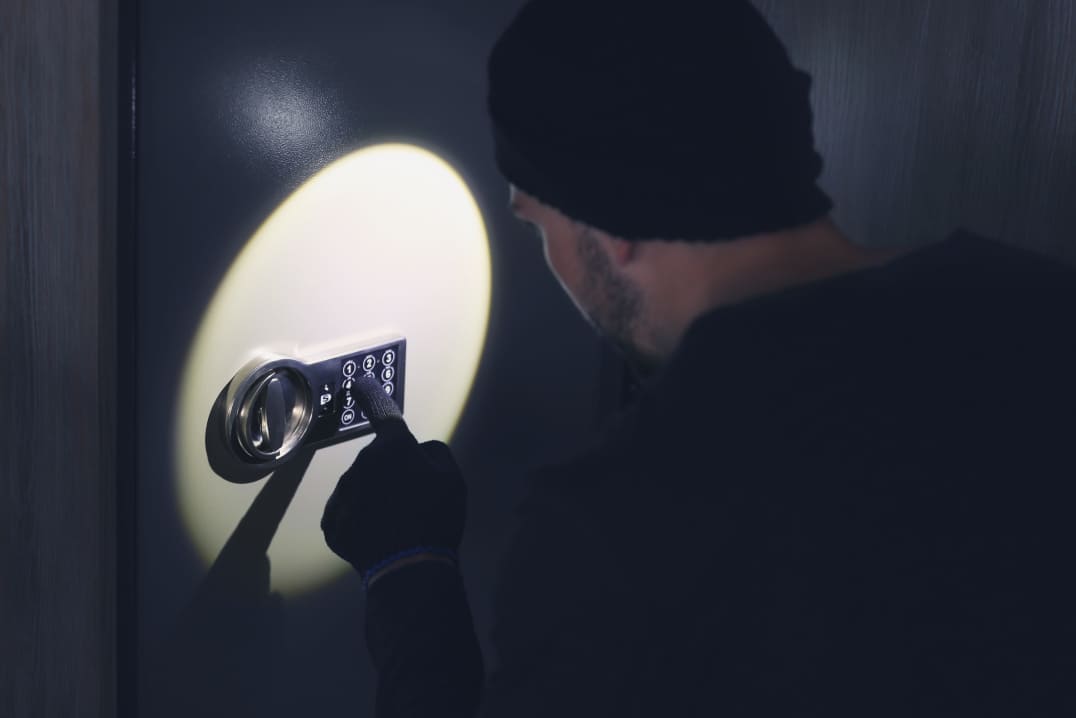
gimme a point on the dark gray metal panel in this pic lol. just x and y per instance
(376, 70)
(933, 114)
(57, 544)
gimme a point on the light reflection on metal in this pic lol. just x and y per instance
(388, 240)
(276, 111)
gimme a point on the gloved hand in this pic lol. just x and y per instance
(400, 498)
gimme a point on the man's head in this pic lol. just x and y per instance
(646, 141)
(681, 119)
(586, 263)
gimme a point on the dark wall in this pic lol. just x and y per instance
(57, 357)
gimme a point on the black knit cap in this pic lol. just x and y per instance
(670, 119)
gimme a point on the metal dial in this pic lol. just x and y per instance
(274, 415)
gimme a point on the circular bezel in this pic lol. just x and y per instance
(240, 405)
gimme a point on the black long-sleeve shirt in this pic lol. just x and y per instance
(852, 497)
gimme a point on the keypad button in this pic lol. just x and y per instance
(388, 357)
(325, 404)
(389, 388)
(348, 384)
(348, 417)
(387, 373)
(349, 401)
(369, 363)
(350, 367)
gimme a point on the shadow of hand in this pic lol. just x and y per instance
(220, 659)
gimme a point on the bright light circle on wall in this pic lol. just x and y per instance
(386, 241)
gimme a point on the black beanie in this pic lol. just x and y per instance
(677, 119)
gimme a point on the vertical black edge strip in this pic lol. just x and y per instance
(126, 277)
(107, 345)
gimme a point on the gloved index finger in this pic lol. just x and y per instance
(384, 415)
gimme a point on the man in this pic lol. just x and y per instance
(845, 487)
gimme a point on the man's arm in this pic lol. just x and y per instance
(422, 642)
(567, 620)
(565, 634)
(563, 637)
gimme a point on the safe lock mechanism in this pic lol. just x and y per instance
(276, 405)
(274, 414)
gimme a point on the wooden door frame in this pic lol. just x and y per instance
(68, 287)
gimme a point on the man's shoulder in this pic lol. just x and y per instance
(963, 290)
(966, 267)
(964, 244)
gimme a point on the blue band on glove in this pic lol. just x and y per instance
(404, 554)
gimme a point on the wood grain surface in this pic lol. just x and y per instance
(56, 519)
(933, 114)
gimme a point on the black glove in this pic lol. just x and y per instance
(400, 498)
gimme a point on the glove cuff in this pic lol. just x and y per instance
(438, 551)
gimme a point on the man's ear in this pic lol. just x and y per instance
(621, 251)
